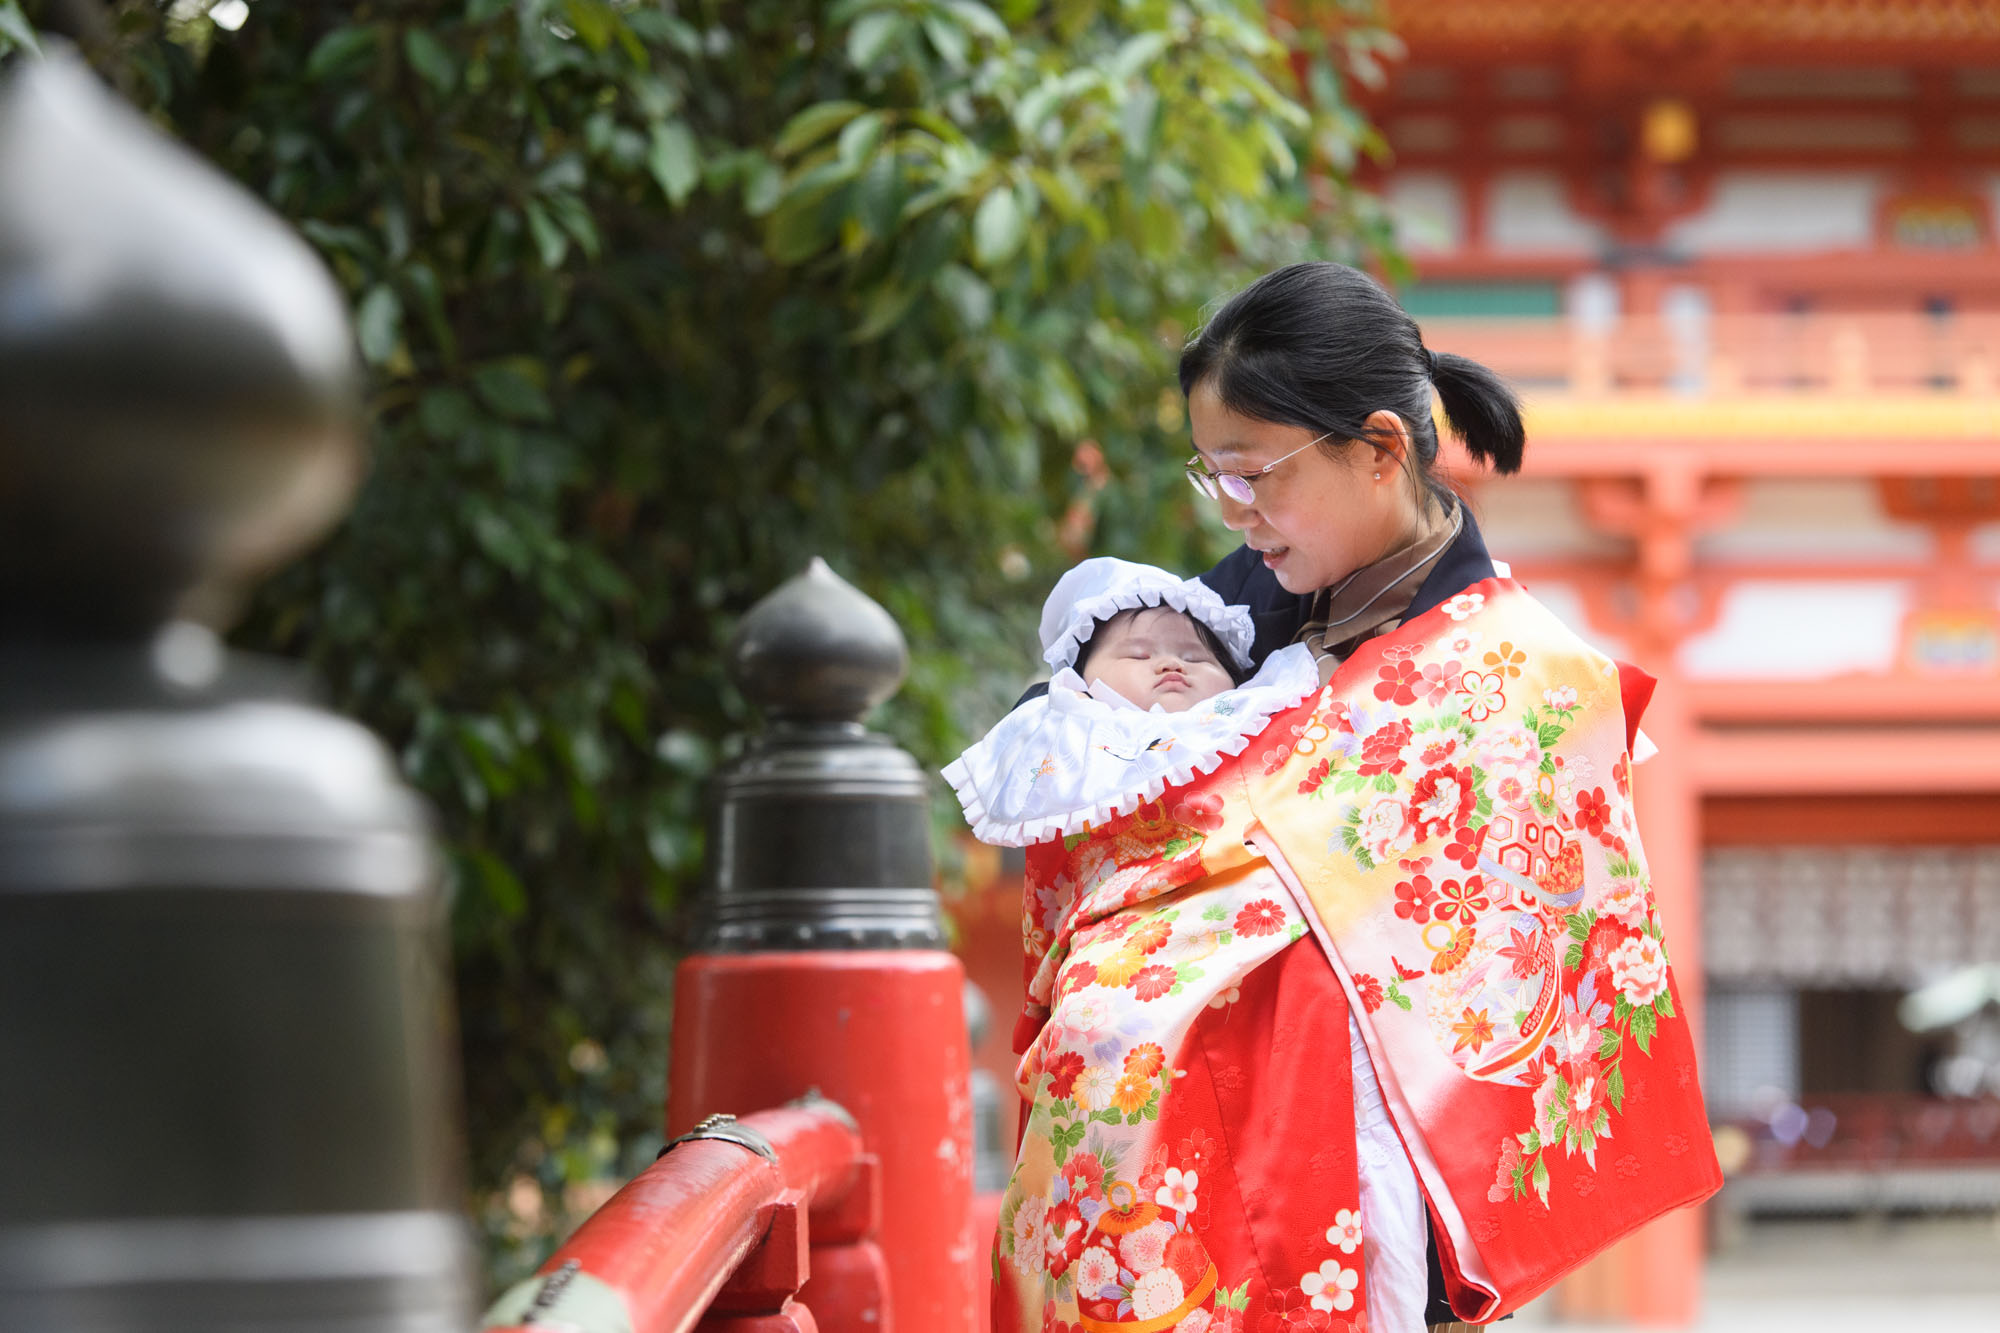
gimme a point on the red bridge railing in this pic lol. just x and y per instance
(722, 1233)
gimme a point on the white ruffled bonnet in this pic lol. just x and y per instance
(1103, 586)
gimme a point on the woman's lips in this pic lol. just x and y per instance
(1274, 555)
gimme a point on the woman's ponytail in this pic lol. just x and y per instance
(1480, 409)
(1323, 347)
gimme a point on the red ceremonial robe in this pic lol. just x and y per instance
(1449, 819)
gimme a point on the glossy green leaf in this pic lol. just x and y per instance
(814, 123)
(378, 322)
(871, 34)
(998, 226)
(675, 161)
(429, 58)
(342, 51)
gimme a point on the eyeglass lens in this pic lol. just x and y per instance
(1235, 487)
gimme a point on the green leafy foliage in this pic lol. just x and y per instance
(661, 299)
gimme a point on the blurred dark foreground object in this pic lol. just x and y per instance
(226, 1091)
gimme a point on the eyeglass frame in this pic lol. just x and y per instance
(1213, 484)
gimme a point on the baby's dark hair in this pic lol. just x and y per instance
(1209, 640)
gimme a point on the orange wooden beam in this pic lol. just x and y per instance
(1843, 702)
(1759, 761)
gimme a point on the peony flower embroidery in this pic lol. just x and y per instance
(1562, 698)
(1441, 800)
(1382, 749)
(1027, 1234)
(1062, 1237)
(1085, 1173)
(1385, 829)
(1625, 900)
(1639, 970)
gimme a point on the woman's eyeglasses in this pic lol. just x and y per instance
(1235, 485)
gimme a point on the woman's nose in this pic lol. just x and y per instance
(1237, 517)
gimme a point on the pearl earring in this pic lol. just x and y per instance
(1378, 476)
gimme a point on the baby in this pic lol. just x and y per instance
(1142, 635)
(1151, 687)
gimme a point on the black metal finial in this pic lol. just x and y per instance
(818, 649)
(177, 380)
(821, 832)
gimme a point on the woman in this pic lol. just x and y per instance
(1390, 979)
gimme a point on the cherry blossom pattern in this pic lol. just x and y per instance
(1484, 692)
(1176, 1191)
(1332, 1286)
(1346, 1230)
(1398, 682)
(1464, 606)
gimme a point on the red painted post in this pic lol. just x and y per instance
(820, 959)
(882, 1033)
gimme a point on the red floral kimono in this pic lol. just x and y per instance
(1448, 824)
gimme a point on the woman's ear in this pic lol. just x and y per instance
(1391, 434)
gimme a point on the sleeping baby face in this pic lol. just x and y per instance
(1155, 655)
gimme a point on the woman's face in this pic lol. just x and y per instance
(1315, 519)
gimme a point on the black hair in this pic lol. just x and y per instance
(1322, 346)
(1209, 640)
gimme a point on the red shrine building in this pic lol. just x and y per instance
(1741, 260)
